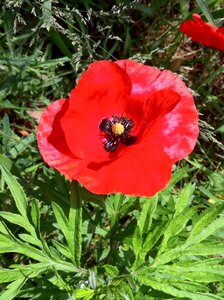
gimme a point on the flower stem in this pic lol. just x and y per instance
(75, 221)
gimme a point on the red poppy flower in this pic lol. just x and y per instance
(121, 129)
(204, 33)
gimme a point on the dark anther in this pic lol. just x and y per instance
(105, 125)
(111, 146)
(117, 131)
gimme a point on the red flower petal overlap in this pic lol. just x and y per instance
(203, 32)
(157, 114)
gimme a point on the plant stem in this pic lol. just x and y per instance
(75, 221)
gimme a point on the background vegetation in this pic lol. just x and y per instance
(167, 247)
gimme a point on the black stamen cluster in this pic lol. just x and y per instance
(113, 140)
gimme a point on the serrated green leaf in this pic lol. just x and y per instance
(23, 271)
(176, 225)
(12, 289)
(177, 176)
(69, 228)
(206, 232)
(5, 161)
(111, 270)
(171, 290)
(9, 244)
(30, 239)
(63, 250)
(3, 228)
(125, 292)
(149, 242)
(89, 227)
(178, 251)
(184, 198)
(194, 272)
(190, 286)
(16, 219)
(16, 190)
(205, 249)
(113, 204)
(205, 219)
(144, 223)
(22, 145)
(81, 293)
(61, 219)
(35, 215)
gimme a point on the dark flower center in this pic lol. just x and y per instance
(117, 130)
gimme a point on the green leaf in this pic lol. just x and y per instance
(63, 250)
(7, 134)
(30, 239)
(184, 198)
(83, 293)
(12, 289)
(176, 225)
(23, 271)
(184, 8)
(205, 219)
(111, 270)
(16, 219)
(5, 162)
(171, 290)
(35, 215)
(206, 232)
(149, 242)
(23, 144)
(113, 206)
(205, 249)
(3, 228)
(144, 223)
(196, 272)
(61, 219)
(71, 227)
(204, 8)
(10, 244)
(181, 250)
(177, 176)
(125, 292)
(16, 190)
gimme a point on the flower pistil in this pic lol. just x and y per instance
(117, 130)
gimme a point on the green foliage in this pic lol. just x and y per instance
(176, 254)
(59, 241)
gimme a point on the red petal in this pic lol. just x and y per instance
(141, 170)
(103, 90)
(165, 98)
(177, 130)
(202, 32)
(51, 140)
(142, 78)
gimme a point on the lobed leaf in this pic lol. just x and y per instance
(16, 219)
(16, 190)
(205, 219)
(12, 289)
(111, 270)
(83, 293)
(175, 226)
(171, 290)
(144, 223)
(184, 198)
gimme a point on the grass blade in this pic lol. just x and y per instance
(204, 8)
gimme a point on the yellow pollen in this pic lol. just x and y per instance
(118, 128)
